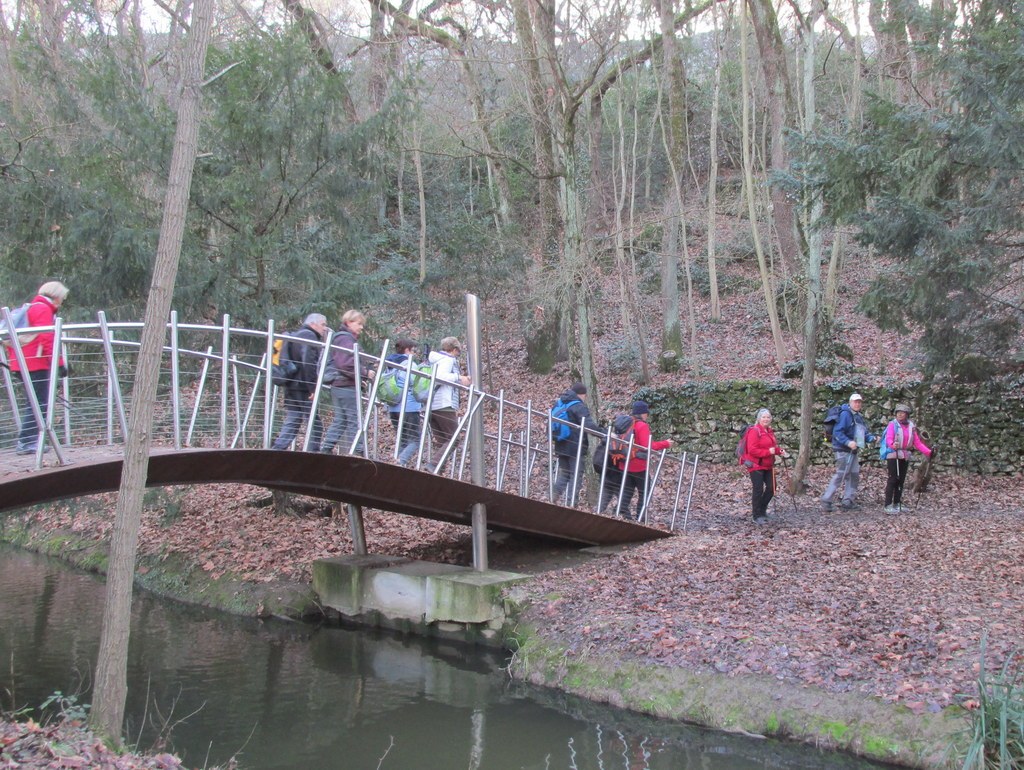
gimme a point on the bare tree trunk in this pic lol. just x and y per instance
(780, 103)
(544, 342)
(716, 307)
(417, 161)
(629, 302)
(813, 212)
(748, 176)
(112, 663)
(672, 140)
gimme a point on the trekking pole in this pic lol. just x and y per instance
(789, 482)
(56, 396)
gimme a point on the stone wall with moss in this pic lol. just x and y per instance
(976, 429)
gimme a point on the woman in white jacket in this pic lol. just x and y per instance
(444, 404)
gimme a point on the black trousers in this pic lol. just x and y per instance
(30, 429)
(762, 492)
(897, 476)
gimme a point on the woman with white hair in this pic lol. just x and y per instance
(38, 352)
(759, 452)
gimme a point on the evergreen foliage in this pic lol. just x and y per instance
(938, 188)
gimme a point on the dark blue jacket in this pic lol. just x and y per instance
(845, 429)
(575, 413)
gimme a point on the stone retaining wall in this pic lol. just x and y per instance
(976, 429)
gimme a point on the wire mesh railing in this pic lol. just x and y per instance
(215, 390)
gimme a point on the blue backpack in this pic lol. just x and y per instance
(560, 411)
(19, 320)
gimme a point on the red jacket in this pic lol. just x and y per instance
(759, 443)
(39, 351)
(641, 439)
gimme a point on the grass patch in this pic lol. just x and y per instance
(997, 722)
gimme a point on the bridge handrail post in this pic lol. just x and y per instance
(604, 467)
(65, 387)
(175, 381)
(5, 364)
(652, 483)
(362, 425)
(426, 417)
(321, 369)
(679, 489)
(578, 467)
(269, 391)
(240, 433)
(499, 466)
(689, 495)
(113, 380)
(199, 394)
(225, 343)
(47, 431)
(524, 483)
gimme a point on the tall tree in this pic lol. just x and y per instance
(111, 688)
(751, 195)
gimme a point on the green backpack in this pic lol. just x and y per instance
(389, 389)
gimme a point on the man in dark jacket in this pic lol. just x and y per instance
(849, 436)
(568, 451)
(298, 393)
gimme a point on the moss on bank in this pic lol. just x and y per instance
(749, 704)
(174, 577)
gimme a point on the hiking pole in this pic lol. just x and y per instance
(789, 481)
(56, 396)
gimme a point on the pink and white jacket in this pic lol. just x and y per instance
(901, 439)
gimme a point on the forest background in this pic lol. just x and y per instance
(608, 174)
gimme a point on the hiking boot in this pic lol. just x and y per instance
(826, 507)
(759, 520)
(891, 509)
(847, 505)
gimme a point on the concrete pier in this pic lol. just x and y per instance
(416, 596)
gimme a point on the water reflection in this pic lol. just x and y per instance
(283, 695)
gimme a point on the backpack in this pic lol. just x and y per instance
(420, 386)
(622, 430)
(560, 431)
(389, 389)
(19, 320)
(831, 418)
(741, 447)
(282, 368)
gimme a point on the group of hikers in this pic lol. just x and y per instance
(340, 376)
(621, 462)
(849, 437)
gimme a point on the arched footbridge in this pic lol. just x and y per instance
(217, 413)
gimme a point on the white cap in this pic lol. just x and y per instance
(856, 397)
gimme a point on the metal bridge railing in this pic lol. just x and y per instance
(215, 391)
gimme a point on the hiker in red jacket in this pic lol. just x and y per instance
(760, 451)
(38, 352)
(635, 477)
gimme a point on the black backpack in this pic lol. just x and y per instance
(831, 418)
